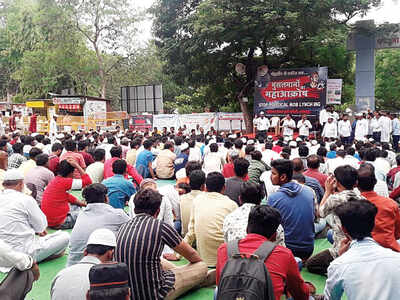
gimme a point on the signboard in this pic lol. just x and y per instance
(67, 100)
(141, 122)
(390, 41)
(294, 91)
(230, 121)
(205, 120)
(35, 104)
(334, 91)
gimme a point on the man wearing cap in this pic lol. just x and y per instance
(261, 126)
(182, 159)
(109, 279)
(361, 129)
(72, 283)
(344, 129)
(330, 129)
(22, 223)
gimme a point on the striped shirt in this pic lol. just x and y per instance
(139, 244)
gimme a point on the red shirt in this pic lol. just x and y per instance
(316, 175)
(12, 123)
(281, 265)
(56, 198)
(108, 172)
(87, 158)
(78, 158)
(395, 194)
(54, 161)
(392, 173)
(277, 149)
(228, 172)
(387, 222)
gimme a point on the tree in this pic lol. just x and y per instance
(204, 40)
(108, 27)
(387, 79)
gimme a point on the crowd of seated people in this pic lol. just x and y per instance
(229, 188)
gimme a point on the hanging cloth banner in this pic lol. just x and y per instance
(205, 120)
(166, 120)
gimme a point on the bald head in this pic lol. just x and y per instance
(3, 160)
(298, 166)
(313, 162)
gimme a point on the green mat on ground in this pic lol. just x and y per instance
(48, 270)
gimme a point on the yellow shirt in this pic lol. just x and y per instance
(186, 204)
(165, 168)
(206, 224)
(131, 157)
(27, 166)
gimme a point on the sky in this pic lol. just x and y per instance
(389, 11)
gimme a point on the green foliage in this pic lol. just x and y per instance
(387, 79)
(203, 40)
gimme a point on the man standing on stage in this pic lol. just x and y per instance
(344, 129)
(361, 129)
(304, 127)
(386, 127)
(288, 125)
(330, 129)
(261, 126)
(396, 133)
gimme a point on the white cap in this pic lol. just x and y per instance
(232, 136)
(60, 136)
(262, 113)
(298, 139)
(34, 134)
(292, 144)
(184, 146)
(359, 114)
(314, 142)
(250, 142)
(270, 137)
(244, 140)
(103, 237)
(13, 174)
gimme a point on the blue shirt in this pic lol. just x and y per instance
(119, 190)
(181, 161)
(396, 126)
(295, 203)
(366, 271)
(331, 154)
(142, 163)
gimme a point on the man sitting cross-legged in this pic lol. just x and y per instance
(344, 182)
(97, 214)
(60, 207)
(140, 243)
(22, 223)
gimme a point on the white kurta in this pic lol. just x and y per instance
(361, 129)
(344, 128)
(287, 127)
(304, 127)
(330, 130)
(386, 125)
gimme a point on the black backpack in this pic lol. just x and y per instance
(244, 276)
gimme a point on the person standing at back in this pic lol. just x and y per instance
(295, 203)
